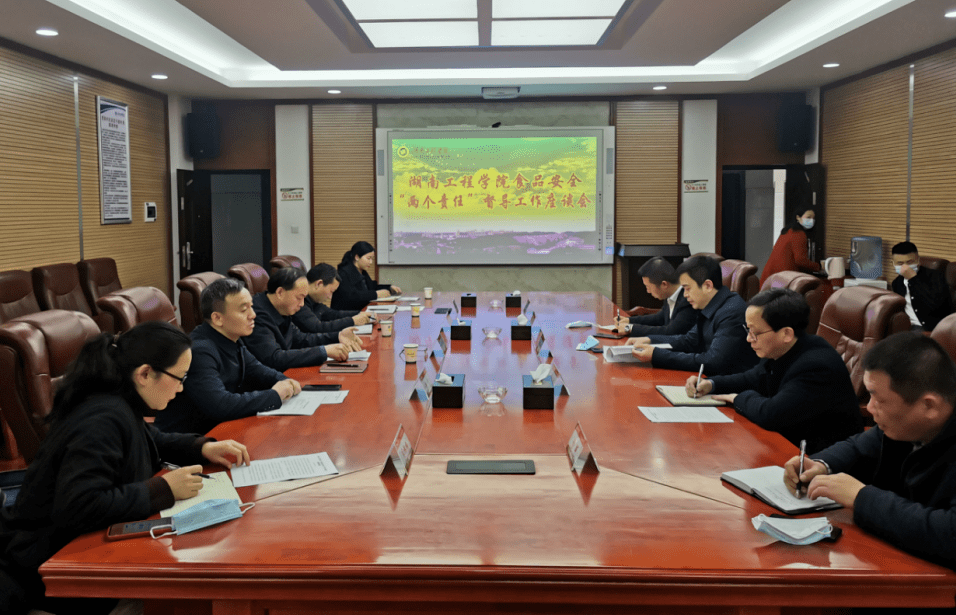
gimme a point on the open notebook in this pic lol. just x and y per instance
(678, 396)
(767, 484)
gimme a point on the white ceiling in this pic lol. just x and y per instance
(301, 48)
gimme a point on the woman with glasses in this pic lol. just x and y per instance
(97, 465)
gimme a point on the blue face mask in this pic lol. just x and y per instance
(807, 223)
(899, 269)
(794, 531)
(204, 514)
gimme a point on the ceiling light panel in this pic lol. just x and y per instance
(412, 9)
(504, 9)
(422, 33)
(547, 33)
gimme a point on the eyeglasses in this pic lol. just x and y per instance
(754, 334)
(181, 380)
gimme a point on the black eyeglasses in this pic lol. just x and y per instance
(181, 380)
(754, 333)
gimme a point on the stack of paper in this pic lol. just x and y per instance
(363, 329)
(381, 309)
(283, 468)
(678, 414)
(359, 355)
(303, 404)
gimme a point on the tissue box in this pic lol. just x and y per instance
(537, 396)
(461, 332)
(449, 395)
(512, 301)
(520, 332)
(469, 300)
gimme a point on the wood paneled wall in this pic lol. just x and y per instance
(38, 171)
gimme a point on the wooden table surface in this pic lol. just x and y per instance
(655, 528)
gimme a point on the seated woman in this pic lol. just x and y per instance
(358, 288)
(96, 466)
(790, 253)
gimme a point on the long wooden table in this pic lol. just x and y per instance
(656, 528)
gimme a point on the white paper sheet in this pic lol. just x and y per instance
(359, 355)
(363, 329)
(216, 487)
(403, 308)
(283, 468)
(404, 298)
(382, 309)
(684, 414)
(303, 404)
(330, 397)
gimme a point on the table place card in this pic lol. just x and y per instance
(539, 344)
(579, 452)
(423, 387)
(442, 348)
(399, 455)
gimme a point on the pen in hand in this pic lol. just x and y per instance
(173, 466)
(699, 375)
(803, 454)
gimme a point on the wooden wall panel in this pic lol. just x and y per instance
(647, 204)
(38, 203)
(864, 135)
(141, 249)
(343, 178)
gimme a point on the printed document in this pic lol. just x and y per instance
(283, 468)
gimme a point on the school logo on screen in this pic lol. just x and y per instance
(402, 151)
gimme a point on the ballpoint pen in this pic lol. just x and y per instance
(173, 466)
(803, 454)
(699, 374)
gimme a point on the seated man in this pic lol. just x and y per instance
(801, 387)
(717, 340)
(224, 381)
(898, 478)
(277, 342)
(675, 316)
(316, 316)
(928, 298)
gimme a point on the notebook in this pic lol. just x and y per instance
(343, 368)
(766, 484)
(678, 396)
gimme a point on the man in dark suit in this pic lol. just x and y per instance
(675, 317)
(928, 298)
(316, 316)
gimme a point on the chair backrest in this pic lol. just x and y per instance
(98, 277)
(716, 257)
(16, 295)
(35, 351)
(740, 277)
(286, 260)
(131, 306)
(945, 334)
(190, 290)
(857, 317)
(252, 275)
(811, 287)
(57, 287)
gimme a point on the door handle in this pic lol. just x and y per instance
(188, 256)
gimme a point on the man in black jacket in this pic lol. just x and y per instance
(928, 296)
(224, 382)
(801, 387)
(277, 342)
(675, 317)
(898, 478)
(316, 316)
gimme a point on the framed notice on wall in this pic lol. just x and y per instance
(112, 132)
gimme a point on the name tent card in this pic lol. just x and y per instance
(442, 349)
(539, 349)
(423, 387)
(560, 388)
(580, 454)
(399, 455)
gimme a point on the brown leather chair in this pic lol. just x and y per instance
(190, 291)
(285, 260)
(945, 334)
(857, 317)
(740, 277)
(16, 295)
(57, 287)
(35, 351)
(98, 277)
(131, 306)
(716, 257)
(252, 275)
(811, 287)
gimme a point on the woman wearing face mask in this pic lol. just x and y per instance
(358, 288)
(96, 466)
(790, 251)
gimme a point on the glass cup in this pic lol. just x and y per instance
(416, 309)
(386, 328)
(410, 352)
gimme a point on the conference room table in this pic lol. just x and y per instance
(655, 528)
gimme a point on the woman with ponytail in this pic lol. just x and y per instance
(358, 288)
(96, 466)
(790, 253)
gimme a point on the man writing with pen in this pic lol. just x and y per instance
(898, 478)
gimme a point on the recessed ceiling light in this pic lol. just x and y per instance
(951, 14)
(831, 65)
(660, 87)
(47, 32)
(160, 76)
(335, 91)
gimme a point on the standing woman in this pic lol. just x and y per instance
(358, 288)
(96, 466)
(790, 252)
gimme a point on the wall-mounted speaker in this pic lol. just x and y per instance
(202, 131)
(795, 128)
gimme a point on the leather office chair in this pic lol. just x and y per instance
(35, 351)
(131, 306)
(57, 287)
(98, 277)
(945, 334)
(286, 260)
(947, 268)
(857, 317)
(16, 295)
(252, 275)
(811, 287)
(190, 291)
(740, 277)
(716, 257)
